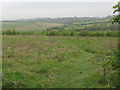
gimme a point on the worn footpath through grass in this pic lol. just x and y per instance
(52, 62)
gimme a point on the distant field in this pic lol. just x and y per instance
(92, 22)
(98, 25)
(28, 26)
(53, 62)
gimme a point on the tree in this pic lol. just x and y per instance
(116, 17)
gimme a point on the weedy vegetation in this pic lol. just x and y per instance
(58, 61)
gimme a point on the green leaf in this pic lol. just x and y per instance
(115, 11)
(115, 6)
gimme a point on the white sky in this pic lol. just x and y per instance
(22, 9)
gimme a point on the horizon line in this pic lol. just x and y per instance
(57, 17)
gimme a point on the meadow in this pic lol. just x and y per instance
(27, 26)
(36, 61)
(73, 52)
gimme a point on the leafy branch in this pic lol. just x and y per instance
(116, 17)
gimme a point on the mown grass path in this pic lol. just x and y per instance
(74, 75)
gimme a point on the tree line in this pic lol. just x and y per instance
(64, 33)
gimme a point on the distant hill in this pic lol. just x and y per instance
(65, 20)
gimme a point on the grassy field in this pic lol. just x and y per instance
(28, 26)
(53, 62)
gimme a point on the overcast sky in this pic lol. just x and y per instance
(24, 10)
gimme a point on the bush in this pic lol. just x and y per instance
(64, 33)
(84, 33)
(10, 32)
(99, 34)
